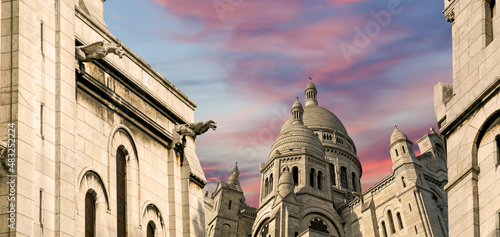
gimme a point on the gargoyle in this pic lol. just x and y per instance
(192, 129)
(97, 50)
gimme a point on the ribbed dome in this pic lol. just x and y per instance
(297, 137)
(317, 117)
(310, 85)
(397, 135)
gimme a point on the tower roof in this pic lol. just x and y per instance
(397, 135)
(234, 178)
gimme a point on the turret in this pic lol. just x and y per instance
(311, 93)
(297, 112)
(234, 178)
(401, 149)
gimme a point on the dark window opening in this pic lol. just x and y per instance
(229, 206)
(403, 181)
(320, 177)
(403, 149)
(397, 154)
(121, 192)
(271, 181)
(332, 173)
(497, 139)
(311, 177)
(400, 221)
(319, 225)
(343, 177)
(353, 179)
(384, 230)
(89, 215)
(151, 229)
(391, 222)
(295, 175)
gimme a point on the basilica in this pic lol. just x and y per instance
(310, 185)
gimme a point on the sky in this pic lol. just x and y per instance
(243, 62)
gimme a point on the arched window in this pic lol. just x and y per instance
(319, 225)
(311, 177)
(384, 230)
(295, 172)
(271, 183)
(343, 177)
(353, 179)
(391, 222)
(320, 176)
(226, 230)
(151, 229)
(403, 181)
(403, 147)
(332, 173)
(397, 154)
(400, 221)
(266, 187)
(89, 215)
(121, 194)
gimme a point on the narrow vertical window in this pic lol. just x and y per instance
(271, 183)
(402, 147)
(89, 215)
(41, 121)
(409, 205)
(491, 31)
(400, 221)
(332, 173)
(343, 177)
(403, 181)
(41, 37)
(391, 222)
(121, 191)
(151, 229)
(40, 216)
(416, 231)
(266, 187)
(384, 230)
(311, 177)
(229, 206)
(353, 179)
(295, 172)
(320, 177)
(493, 10)
(397, 154)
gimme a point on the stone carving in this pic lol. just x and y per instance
(97, 50)
(3, 147)
(450, 17)
(192, 129)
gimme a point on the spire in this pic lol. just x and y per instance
(311, 93)
(235, 173)
(297, 112)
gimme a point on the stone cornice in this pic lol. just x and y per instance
(107, 97)
(197, 180)
(80, 14)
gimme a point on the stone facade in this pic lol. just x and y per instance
(310, 184)
(468, 115)
(80, 100)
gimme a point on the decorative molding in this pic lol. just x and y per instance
(450, 17)
(197, 180)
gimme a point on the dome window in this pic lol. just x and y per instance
(311, 177)
(295, 174)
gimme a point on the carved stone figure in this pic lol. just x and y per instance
(97, 50)
(192, 129)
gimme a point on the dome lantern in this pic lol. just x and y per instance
(311, 93)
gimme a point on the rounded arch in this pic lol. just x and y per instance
(91, 183)
(121, 139)
(491, 121)
(334, 219)
(321, 222)
(264, 221)
(151, 213)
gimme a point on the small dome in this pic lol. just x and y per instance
(285, 185)
(310, 85)
(317, 117)
(296, 136)
(397, 135)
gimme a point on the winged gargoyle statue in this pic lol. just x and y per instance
(97, 50)
(192, 129)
